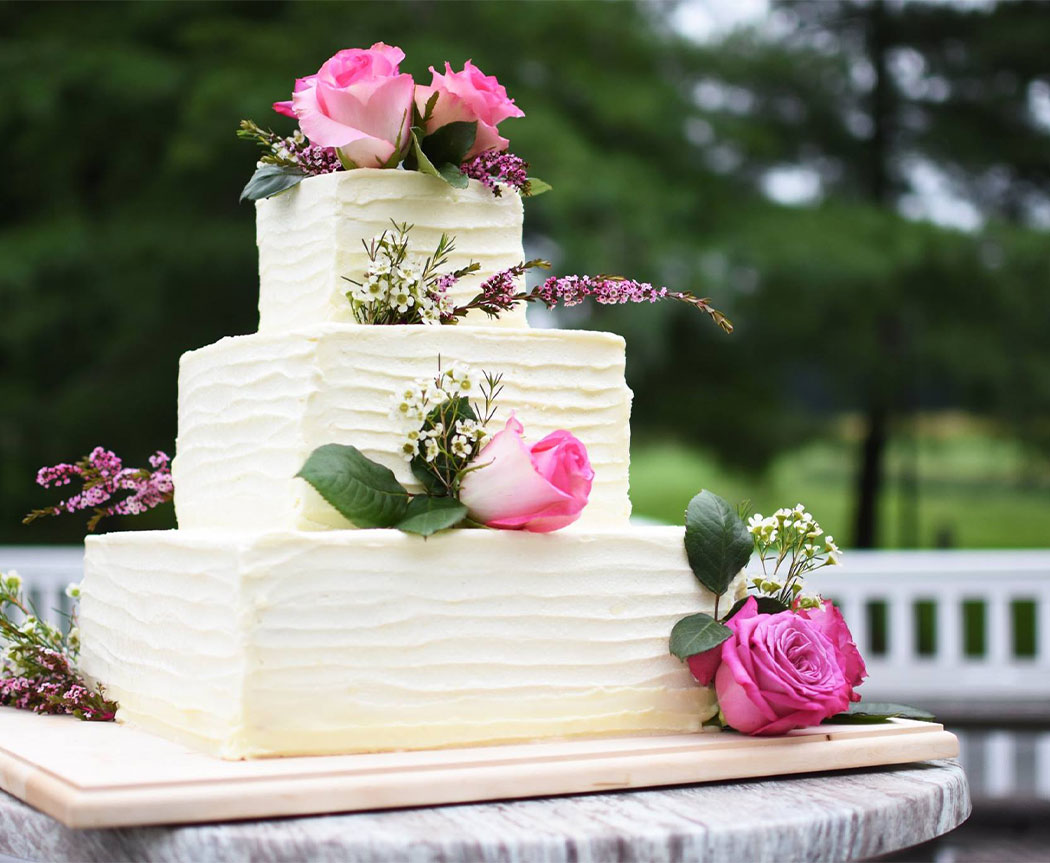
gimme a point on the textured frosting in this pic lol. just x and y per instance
(311, 236)
(347, 641)
(252, 408)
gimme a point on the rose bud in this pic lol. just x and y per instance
(517, 487)
(465, 97)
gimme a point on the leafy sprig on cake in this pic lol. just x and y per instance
(468, 478)
(39, 660)
(360, 111)
(401, 287)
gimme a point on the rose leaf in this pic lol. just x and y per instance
(535, 186)
(364, 492)
(427, 515)
(451, 142)
(871, 712)
(717, 542)
(697, 633)
(269, 180)
(766, 605)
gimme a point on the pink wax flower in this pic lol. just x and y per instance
(779, 672)
(359, 103)
(539, 488)
(467, 96)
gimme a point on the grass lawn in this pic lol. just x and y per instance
(975, 490)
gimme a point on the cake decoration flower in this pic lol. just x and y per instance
(779, 658)
(104, 476)
(468, 96)
(39, 660)
(359, 110)
(358, 103)
(539, 488)
(400, 287)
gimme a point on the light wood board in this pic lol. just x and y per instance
(107, 775)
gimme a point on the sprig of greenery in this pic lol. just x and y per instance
(39, 666)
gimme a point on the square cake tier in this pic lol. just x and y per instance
(249, 645)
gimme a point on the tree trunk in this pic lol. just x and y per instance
(873, 448)
(869, 478)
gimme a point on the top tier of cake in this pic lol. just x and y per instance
(312, 236)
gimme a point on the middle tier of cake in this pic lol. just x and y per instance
(252, 409)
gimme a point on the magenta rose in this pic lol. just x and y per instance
(359, 103)
(778, 672)
(829, 620)
(467, 96)
(539, 488)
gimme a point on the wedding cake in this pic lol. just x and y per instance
(270, 623)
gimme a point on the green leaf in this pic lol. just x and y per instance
(766, 605)
(432, 474)
(452, 175)
(537, 187)
(695, 634)
(451, 142)
(427, 515)
(417, 160)
(269, 180)
(365, 493)
(872, 712)
(716, 541)
(422, 470)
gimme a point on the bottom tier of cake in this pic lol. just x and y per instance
(250, 645)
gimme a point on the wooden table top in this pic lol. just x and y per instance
(845, 815)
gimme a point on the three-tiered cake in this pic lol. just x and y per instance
(268, 625)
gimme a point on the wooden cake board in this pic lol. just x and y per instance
(88, 774)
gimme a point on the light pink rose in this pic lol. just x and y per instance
(540, 489)
(778, 672)
(357, 102)
(829, 620)
(467, 96)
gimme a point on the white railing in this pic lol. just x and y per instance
(965, 627)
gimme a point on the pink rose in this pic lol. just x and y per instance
(778, 672)
(542, 488)
(467, 96)
(829, 620)
(357, 102)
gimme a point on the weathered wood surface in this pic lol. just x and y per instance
(850, 815)
(102, 775)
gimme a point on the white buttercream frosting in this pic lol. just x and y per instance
(311, 236)
(309, 643)
(252, 408)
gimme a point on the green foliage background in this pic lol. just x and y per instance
(122, 244)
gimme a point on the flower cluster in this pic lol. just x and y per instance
(397, 288)
(494, 170)
(293, 152)
(103, 475)
(400, 289)
(359, 110)
(39, 662)
(443, 431)
(777, 659)
(499, 294)
(793, 538)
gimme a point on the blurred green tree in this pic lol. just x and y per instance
(867, 104)
(122, 244)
